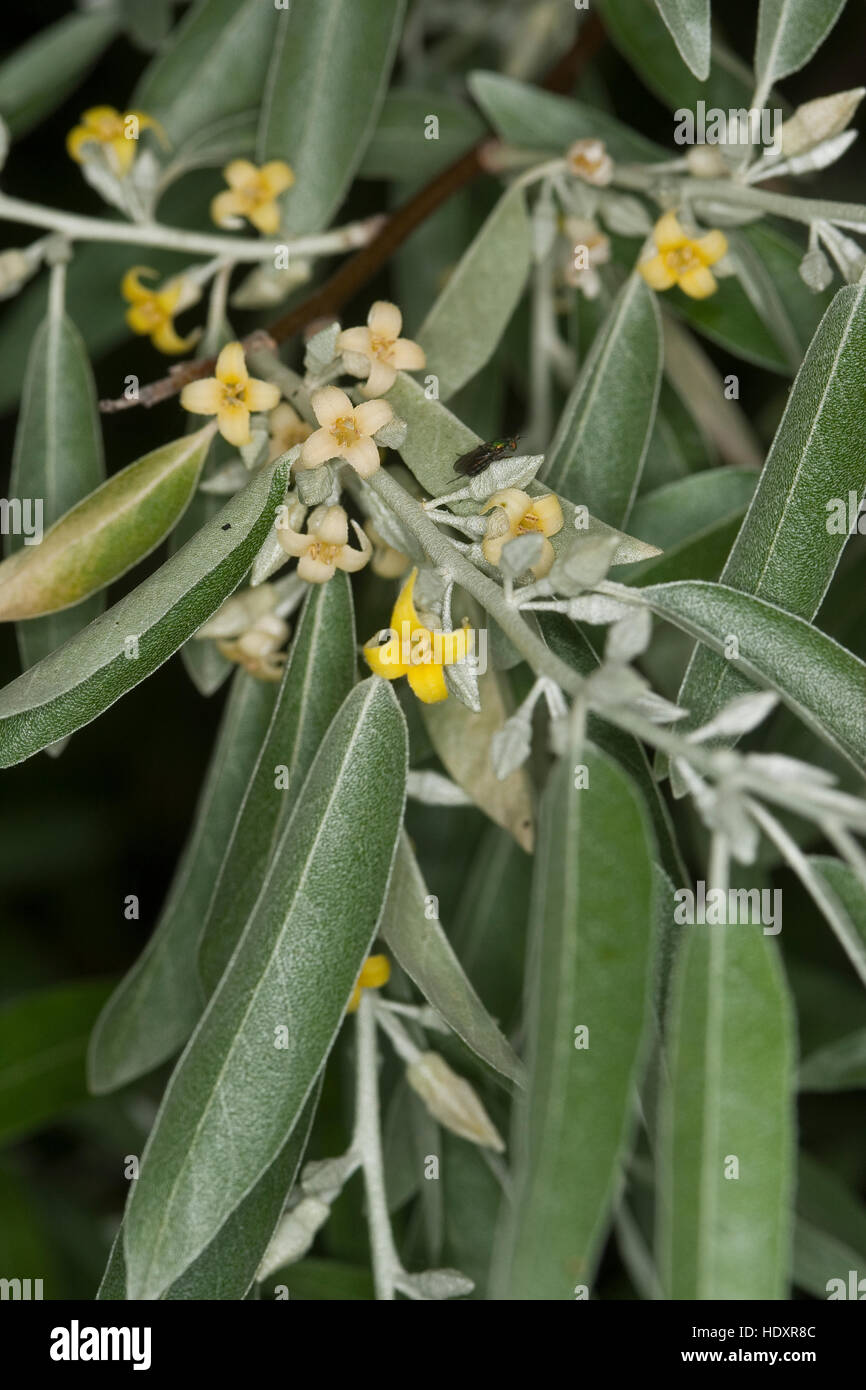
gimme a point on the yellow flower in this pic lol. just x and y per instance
(346, 431)
(153, 311)
(252, 193)
(375, 972)
(387, 562)
(386, 353)
(285, 430)
(683, 260)
(256, 649)
(522, 515)
(589, 160)
(230, 395)
(103, 125)
(325, 548)
(409, 648)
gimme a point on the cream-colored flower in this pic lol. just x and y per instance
(257, 649)
(152, 312)
(252, 193)
(285, 430)
(387, 562)
(380, 351)
(115, 131)
(590, 161)
(346, 431)
(517, 515)
(682, 260)
(325, 547)
(231, 395)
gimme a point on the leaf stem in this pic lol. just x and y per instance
(367, 1142)
(80, 228)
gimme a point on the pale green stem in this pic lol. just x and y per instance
(489, 595)
(367, 1142)
(176, 239)
(806, 210)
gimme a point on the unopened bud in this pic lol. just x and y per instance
(452, 1101)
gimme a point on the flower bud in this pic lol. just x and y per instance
(452, 1101)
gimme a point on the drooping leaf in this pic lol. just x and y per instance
(326, 82)
(40, 74)
(590, 949)
(727, 1137)
(236, 1094)
(468, 319)
(841, 1066)
(425, 953)
(689, 23)
(43, 1039)
(105, 534)
(67, 689)
(776, 650)
(789, 33)
(597, 454)
(322, 660)
(227, 1267)
(211, 68)
(58, 456)
(785, 552)
(462, 740)
(638, 31)
(157, 1003)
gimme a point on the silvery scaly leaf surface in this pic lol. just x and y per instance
(321, 349)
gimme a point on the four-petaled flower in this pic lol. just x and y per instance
(115, 131)
(522, 514)
(382, 352)
(375, 972)
(257, 648)
(682, 260)
(346, 431)
(410, 648)
(325, 548)
(589, 160)
(252, 193)
(285, 430)
(230, 395)
(152, 311)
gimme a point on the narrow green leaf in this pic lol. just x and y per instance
(327, 79)
(435, 438)
(462, 740)
(226, 1269)
(830, 1236)
(205, 664)
(841, 1066)
(844, 905)
(157, 1003)
(644, 40)
(694, 521)
(724, 1231)
(471, 314)
(589, 966)
(39, 75)
(789, 33)
(319, 674)
(43, 1039)
(67, 689)
(597, 454)
(235, 1096)
(425, 953)
(58, 456)
(769, 266)
(730, 319)
(778, 650)
(526, 116)
(689, 24)
(400, 146)
(785, 552)
(211, 68)
(106, 533)
(488, 930)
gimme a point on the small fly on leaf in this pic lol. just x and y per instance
(480, 458)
